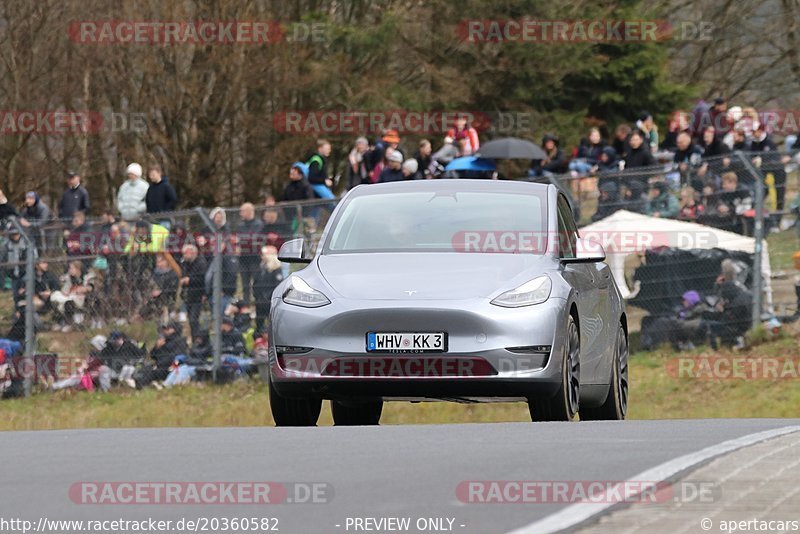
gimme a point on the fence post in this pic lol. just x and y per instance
(758, 235)
(216, 296)
(300, 222)
(28, 367)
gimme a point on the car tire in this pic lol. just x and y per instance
(294, 411)
(563, 406)
(353, 414)
(616, 405)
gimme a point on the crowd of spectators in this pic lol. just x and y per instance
(690, 173)
(139, 263)
(142, 263)
(720, 317)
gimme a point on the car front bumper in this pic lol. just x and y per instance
(494, 353)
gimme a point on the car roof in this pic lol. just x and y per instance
(451, 185)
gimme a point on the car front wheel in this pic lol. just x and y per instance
(294, 412)
(563, 406)
(616, 405)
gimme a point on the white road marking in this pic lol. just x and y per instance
(575, 514)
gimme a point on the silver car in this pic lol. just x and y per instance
(459, 290)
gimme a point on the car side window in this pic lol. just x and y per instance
(567, 231)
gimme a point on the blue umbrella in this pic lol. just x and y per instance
(471, 163)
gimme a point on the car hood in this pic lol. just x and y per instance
(427, 276)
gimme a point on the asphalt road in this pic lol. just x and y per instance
(390, 471)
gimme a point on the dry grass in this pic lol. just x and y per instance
(654, 395)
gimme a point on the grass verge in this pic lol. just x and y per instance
(655, 394)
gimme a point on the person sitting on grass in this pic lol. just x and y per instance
(5, 374)
(14, 340)
(170, 343)
(120, 354)
(234, 361)
(239, 311)
(232, 339)
(689, 326)
(180, 372)
(184, 368)
(732, 314)
(682, 330)
(201, 353)
(90, 372)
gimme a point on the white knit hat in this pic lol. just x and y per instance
(411, 165)
(216, 210)
(135, 169)
(396, 157)
(98, 342)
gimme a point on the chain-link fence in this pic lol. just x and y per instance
(686, 241)
(162, 300)
(185, 295)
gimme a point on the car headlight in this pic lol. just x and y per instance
(534, 292)
(299, 293)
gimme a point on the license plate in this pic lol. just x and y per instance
(406, 342)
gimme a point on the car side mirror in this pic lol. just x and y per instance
(587, 251)
(293, 251)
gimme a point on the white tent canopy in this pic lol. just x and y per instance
(624, 233)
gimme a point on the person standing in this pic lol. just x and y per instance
(298, 188)
(318, 171)
(131, 195)
(75, 198)
(424, 157)
(249, 235)
(358, 168)
(769, 161)
(193, 267)
(160, 195)
(7, 209)
(267, 278)
(15, 253)
(35, 215)
(230, 263)
(393, 172)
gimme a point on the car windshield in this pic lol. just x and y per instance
(425, 221)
